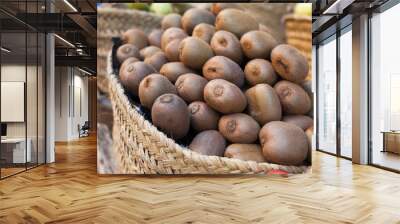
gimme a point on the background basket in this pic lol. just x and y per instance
(112, 22)
(298, 34)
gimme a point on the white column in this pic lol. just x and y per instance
(360, 90)
(50, 99)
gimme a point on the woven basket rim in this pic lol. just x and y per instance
(186, 152)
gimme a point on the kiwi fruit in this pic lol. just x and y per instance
(136, 37)
(132, 74)
(149, 51)
(218, 7)
(126, 51)
(263, 104)
(309, 133)
(171, 20)
(157, 60)
(194, 52)
(203, 117)
(195, 16)
(210, 143)
(235, 21)
(155, 37)
(171, 34)
(171, 115)
(257, 44)
(173, 70)
(294, 99)
(127, 62)
(245, 152)
(307, 86)
(204, 31)
(224, 96)
(227, 44)
(260, 71)
(221, 67)
(264, 28)
(153, 86)
(239, 128)
(172, 50)
(289, 63)
(190, 87)
(283, 143)
(302, 121)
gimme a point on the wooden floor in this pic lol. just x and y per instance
(70, 191)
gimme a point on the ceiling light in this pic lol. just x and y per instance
(5, 50)
(84, 71)
(65, 41)
(70, 5)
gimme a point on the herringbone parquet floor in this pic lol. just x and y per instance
(70, 191)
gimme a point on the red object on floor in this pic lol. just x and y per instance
(277, 172)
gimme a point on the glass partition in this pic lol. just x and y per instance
(346, 92)
(385, 89)
(22, 101)
(326, 110)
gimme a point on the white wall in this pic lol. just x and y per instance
(71, 94)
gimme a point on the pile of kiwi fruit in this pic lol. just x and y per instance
(218, 79)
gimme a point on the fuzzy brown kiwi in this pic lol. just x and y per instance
(226, 44)
(136, 37)
(195, 16)
(170, 114)
(224, 96)
(155, 37)
(209, 142)
(204, 31)
(172, 50)
(171, 20)
(132, 74)
(171, 34)
(235, 21)
(173, 70)
(302, 121)
(157, 60)
(126, 51)
(127, 62)
(153, 86)
(294, 99)
(259, 71)
(257, 44)
(263, 104)
(289, 63)
(203, 117)
(245, 152)
(221, 67)
(190, 87)
(149, 51)
(239, 128)
(218, 7)
(194, 52)
(283, 143)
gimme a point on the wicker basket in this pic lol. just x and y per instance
(141, 147)
(298, 34)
